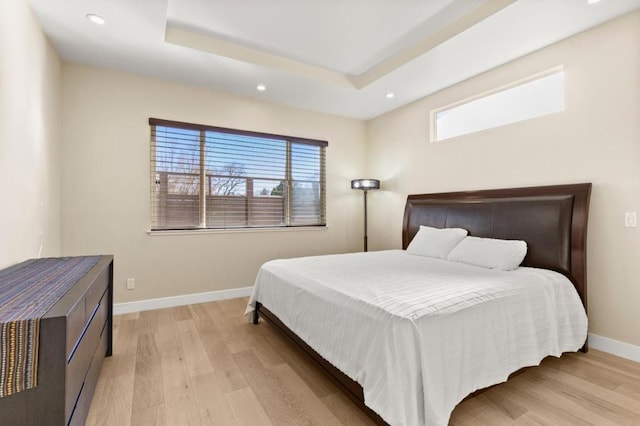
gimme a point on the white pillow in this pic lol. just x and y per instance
(491, 253)
(435, 242)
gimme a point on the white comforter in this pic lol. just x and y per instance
(420, 334)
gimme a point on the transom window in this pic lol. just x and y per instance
(538, 95)
(212, 177)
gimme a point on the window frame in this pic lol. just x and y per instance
(202, 192)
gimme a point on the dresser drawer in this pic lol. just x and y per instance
(94, 294)
(80, 360)
(83, 404)
(84, 309)
(76, 322)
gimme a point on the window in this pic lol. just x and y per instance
(211, 177)
(534, 98)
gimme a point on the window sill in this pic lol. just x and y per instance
(236, 231)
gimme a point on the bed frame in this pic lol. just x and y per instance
(551, 219)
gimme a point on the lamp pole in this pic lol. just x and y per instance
(365, 220)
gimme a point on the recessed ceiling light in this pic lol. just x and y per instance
(390, 95)
(96, 19)
(261, 87)
(593, 1)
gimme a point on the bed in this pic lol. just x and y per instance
(409, 337)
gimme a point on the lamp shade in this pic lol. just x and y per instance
(365, 184)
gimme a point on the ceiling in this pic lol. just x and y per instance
(337, 56)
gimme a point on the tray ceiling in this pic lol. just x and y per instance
(337, 56)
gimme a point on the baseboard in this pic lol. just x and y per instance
(186, 299)
(615, 347)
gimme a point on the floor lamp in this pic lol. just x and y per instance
(365, 185)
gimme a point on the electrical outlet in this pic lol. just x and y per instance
(131, 283)
(631, 219)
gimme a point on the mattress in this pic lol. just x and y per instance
(419, 334)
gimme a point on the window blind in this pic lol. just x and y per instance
(213, 177)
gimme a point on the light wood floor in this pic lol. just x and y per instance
(205, 364)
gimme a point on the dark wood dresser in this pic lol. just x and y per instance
(75, 337)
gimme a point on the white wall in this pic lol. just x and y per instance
(596, 139)
(106, 192)
(29, 138)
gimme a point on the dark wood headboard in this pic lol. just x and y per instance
(551, 219)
